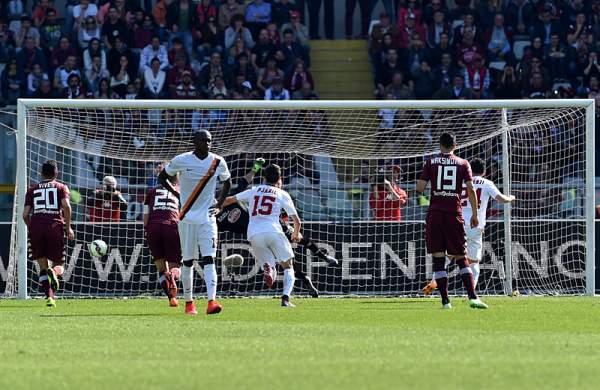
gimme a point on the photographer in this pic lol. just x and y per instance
(386, 196)
(107, 202)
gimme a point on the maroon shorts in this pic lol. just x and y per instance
(47, 240)
(445, 232)
(163, 241)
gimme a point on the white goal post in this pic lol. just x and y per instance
(334, 154)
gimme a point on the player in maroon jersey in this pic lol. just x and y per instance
(107, 202)
(47, 214)
(161, 216)
(444, 228)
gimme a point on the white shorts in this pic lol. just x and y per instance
(271, 248)
(194, 237)
(474, 243)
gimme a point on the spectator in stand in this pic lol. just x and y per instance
(74, 89)
(81, 13)
(274, 36)
(388, 43)
(297, 77)
(398, 89)
(50, 31)
(289, 52)
(477, 78)
(113, 57)
(365, 17)
(243, 68)
(44, 91)
(520, 14)
(34, 79)
(409, 29)
(592, 68)
(204, 11)
(154, 80)
(236, 31)
(236, 50)
(381, 29)
(467, 25)
(444, 72)
(10, 82)
(211, 39)
(175, 72)
(417, 52)
(314, 9)
(456, 91)
(546, 25)
(276, 91)
(555, 57)
(27, 31)
(444, 47)
(282, 12)
(90, 30)
(40, 12)
(537, 89)
(121, 78)
(432, 8)
(300, 31)
(581, 26)
(467, 49)
(15, 8)
(210, 71)
(159, 13)
(227, 10)
(386, 197)
(218, 88)
(409, 8)
(534, 66)
(114, 27)
(94, 49)
(106, 203)
(536, 49)
(258, 14)
(436, 28)
(267, 74)
(498, 40)
(62, 74)
(59, 55)
(154, 50)
(390, 66)
(142, 34)
(305, 93)
(30, 55)
(94, 74)
(186, 89)
(262, 50)
(424, 82)
(103, 91)
(508, 87)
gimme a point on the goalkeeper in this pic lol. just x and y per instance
(235, 218)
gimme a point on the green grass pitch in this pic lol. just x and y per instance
(519, 343)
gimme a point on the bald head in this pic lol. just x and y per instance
(202, 143)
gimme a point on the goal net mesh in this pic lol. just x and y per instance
(334, 161)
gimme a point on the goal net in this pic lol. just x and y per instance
(337, 157)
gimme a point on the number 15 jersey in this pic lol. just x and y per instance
(485, 189)
(447, 173)
(265, 203)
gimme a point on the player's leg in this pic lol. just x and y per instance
(319, 252)
(288, 282)
(265, 257)
(432, 285)
(189, 251)
(284, 254)
(440, 274)
(207, 241)
(44, 279)
(436, 245)
(303, 277)
(467, 278)
(172, 253)
(474, 250)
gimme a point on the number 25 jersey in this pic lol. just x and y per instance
(265, 203)
(161, 206)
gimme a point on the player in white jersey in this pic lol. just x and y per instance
(265, 234)
(485, 190)
(198, 173)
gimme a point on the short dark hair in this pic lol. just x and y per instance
(49, 169)
(447, 140)
(477, 166)
(272, 173)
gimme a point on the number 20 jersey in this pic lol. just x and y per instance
(264, 205)
(161, 206)
(45, 199)
(447, 173)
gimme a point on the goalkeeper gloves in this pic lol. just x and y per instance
(258, 164)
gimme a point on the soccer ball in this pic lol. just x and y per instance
(98, 248)
(234, 260)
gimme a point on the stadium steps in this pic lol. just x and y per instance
(341, 69)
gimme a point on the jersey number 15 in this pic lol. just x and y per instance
(263, 205)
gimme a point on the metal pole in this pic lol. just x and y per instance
(508, 284)
(21, 184)
(590, 201)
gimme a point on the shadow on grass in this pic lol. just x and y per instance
(394, 302)
(107, 315)
(2, 306)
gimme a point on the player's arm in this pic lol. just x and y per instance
(296, 233)
(229, 201)
(67, 212)
(501, 198)
(226, 186)
(27, 215)
(117, 196)
(473, 201)
(165, 180)
(421, 185)
(290, 209)
(242, 196)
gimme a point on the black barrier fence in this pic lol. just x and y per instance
(376, 258)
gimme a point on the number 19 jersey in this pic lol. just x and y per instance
(447, 173)
(265, 203)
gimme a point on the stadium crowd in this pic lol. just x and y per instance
(127, 49)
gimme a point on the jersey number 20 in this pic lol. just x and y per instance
(263, 205)
(45, 198)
